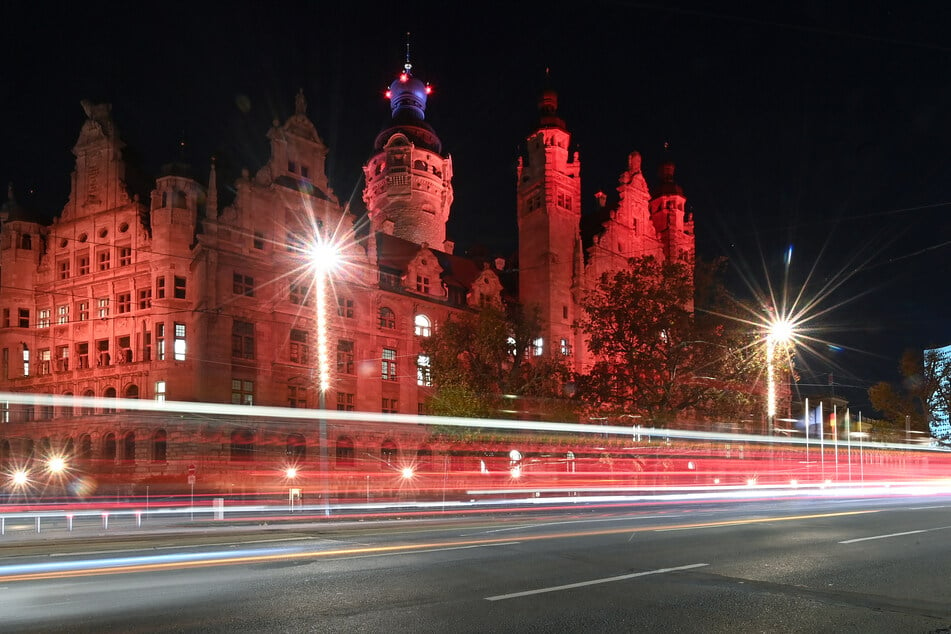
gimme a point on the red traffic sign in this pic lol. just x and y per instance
(191, 470)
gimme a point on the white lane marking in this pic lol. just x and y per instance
(924, 508)
(865, 539)
(413, 552)
(523, 526)
(593, 582)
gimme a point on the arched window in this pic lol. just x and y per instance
(387, 318)
(388, 452)
(160, 446)
(420, 165)
(85, 449)
(422, 327)
(28, 450)
(109, 448)
(128, 448)
(296, 449)
(242, 445)
(424, 458)
(110, 392)
(88, 410)
(68, 449)
(132, 391)
(344, 451)
(65, 410)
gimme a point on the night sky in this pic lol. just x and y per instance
(825, 130)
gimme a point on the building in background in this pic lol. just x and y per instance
(180, 298)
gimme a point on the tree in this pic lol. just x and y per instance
(656, 356)
(924, 394)
(476, 358)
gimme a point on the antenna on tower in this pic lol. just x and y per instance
(408, 66)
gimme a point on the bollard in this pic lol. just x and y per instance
(138, 519)
(69, 522)
(105, 521)
(3, 526)
(37, 523)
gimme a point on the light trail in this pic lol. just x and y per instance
(162, 563)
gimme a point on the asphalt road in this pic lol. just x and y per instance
(868, 565)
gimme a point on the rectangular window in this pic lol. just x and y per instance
(242, 340)
(45, 362)
(82, 311)
(300, 352)
(43, 318)
(291, 166)
(538, 347)
(145, 298)
(62, 314)
(103, 260)
(179, 346)
(6, 317)
(160, 342)
(296, 396)
(125, 256)
(243, 285)
(345, 307)
(82, 264)
(344, 357)
(344, 402)
(390, 406)
(179, 288)
(295, 244)
(422, 284)
(82, 355)
(388, 368)
(124, 349)
(124, 303)
(147, 346)
(305, 171)
(160, 287)
(564, 312)
(258, 241)
(62, 358)
(102, 307)
(103, 357)
(298, 294)
(242, 392)
(423, 371)
(160, 390)
(23, 317)
(26, 363)
(565, 348)
(62, 268)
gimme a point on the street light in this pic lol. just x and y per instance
(779, 332)
(324, 256)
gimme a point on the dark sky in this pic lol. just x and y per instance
(825, 129)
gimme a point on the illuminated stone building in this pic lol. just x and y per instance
(179, 298)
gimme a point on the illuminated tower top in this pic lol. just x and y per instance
(408, 96)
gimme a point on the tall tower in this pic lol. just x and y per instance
(674, 226)
(408, 181)
(549, 218)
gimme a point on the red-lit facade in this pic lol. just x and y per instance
(180, 298)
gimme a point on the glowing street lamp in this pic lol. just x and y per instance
(779, 332)
(324, 256)
(56, 465)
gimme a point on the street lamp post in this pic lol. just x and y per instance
(780, 331)
(324, 257)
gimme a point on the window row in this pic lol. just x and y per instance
(113, 448)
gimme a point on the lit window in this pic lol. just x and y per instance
(26, 361)
(423, 371)
(45, 361)
(538, 347)
(388, 368)
(179, 342)
(43, 318)
(565, 348)
(242, 392)
(160, 390)
(62, 314)
(422, 327)
(102, 307)
(82, 311)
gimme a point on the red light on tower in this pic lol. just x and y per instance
(404, 77)
(429, 89)
(388, 93)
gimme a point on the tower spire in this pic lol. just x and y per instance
(408, 66)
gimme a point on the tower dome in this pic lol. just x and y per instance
(408, 96)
